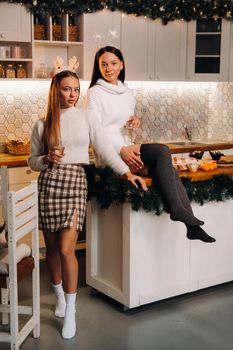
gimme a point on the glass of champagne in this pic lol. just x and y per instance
(59, 150)
(130, 132)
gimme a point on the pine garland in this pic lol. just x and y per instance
(107, 188)
(166, 10)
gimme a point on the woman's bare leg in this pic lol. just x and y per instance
(54, 265)
(53, 256)
(69, 264)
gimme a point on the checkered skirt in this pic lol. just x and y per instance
(60, 193)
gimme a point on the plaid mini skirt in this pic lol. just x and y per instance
(60, 192)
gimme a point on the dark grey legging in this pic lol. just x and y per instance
(157, 157)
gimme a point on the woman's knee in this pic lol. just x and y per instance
(154, 151)
(67, 252)
(51, 242)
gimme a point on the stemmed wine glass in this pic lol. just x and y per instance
(59, 150)
(130, 131)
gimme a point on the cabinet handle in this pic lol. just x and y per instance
(2, 36)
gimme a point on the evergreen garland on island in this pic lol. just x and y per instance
(106, 188)
(166, 10)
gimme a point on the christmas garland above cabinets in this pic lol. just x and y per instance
(106, 188)
(166, 10)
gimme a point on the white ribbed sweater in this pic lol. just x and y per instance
(78, 129)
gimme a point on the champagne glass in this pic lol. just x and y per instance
(59, 150)
(130, 132)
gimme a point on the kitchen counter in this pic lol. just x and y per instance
(12, 161)
(183, 147)
(205, 145)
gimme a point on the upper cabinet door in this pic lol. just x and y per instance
(15, 23)
(208, 50)
(170, 50)
(231, 55)
(154, 51)
(135, 47)
(100, 29)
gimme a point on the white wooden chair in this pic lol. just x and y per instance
(22, 218)
(3, 192)
(3, 210)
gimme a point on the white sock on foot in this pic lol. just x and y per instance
(60, 300)
(69, 326)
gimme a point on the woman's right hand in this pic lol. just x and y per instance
(131, 156)
(54, 155)
(136, 180)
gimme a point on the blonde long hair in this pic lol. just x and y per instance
(52, 132)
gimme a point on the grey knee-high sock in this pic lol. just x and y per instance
(193, 232)
(182, 192)
(158, 159)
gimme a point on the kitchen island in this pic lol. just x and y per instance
(137, 257)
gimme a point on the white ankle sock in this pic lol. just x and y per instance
(60, 300)
(69, 326)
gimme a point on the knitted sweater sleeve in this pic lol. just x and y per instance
(93, 106)
(103, 147)
(35, 160)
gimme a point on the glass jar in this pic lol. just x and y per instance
(21, 71)
(2, 71)
(42, 72)
(10, 71)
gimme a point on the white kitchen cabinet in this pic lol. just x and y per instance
(15, 23)
(208, 50)
(15, 36)
(136, 257)
(136, 47)
(170, 50)
(154, 51)
(100, 29)
(231, 54)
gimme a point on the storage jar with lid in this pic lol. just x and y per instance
(21, 71)
(10, 71)
(2, 71)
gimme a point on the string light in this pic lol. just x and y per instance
(166, 10)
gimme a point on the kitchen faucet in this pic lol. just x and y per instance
(188, 131)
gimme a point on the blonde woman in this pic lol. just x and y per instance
(62, 184)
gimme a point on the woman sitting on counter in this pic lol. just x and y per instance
(62, 185)
(111, 101)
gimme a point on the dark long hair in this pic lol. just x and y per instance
(52, 135)
(96, 74)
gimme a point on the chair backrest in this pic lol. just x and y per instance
(3, 192)
(22, 215)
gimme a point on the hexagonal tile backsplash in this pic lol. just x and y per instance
(164, 109)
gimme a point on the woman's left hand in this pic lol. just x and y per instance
(136, 180)
(133, 122)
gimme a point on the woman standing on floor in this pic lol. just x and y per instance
(62, 184)
(111, 101)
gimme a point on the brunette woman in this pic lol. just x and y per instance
(111, 101)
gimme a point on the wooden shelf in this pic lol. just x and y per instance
(57, 43)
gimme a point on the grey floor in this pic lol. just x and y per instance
(202, 320)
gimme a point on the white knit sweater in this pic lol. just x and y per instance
(112, 105)
(77, 130)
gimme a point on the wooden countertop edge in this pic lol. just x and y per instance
(14, 163)
(203, 147)
(200, 175)
(9, 161)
